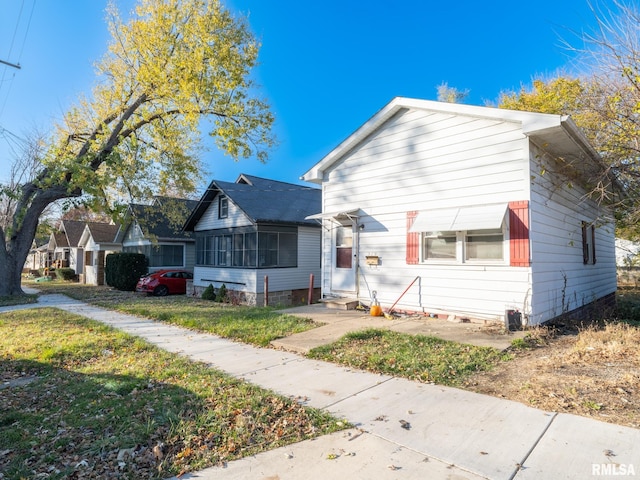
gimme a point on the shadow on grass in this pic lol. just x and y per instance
(54, 421)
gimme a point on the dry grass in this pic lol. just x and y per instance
(594, 373)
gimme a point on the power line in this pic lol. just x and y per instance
(15, 65)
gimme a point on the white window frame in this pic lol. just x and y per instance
(223, 207)
(461, 249)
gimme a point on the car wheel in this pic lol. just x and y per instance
(161, 291)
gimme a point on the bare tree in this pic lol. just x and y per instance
(451, 94)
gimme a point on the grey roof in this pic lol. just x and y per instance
(73, 230)
(103, 232)
(263, 200)
(155, 220)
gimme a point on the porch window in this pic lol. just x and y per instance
(160, 255)
(248, 249)
(166, 256)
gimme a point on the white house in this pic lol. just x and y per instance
(97, 241)
(480, 212)
(252, 236)
(63, 245)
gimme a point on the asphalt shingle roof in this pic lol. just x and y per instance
(154, 220)
(103, 232)
(264, 200)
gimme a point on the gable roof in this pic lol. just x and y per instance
(263, 200)
(58, 240)
(558, 133)
(154, 220)
(73, 230)
(103, 232)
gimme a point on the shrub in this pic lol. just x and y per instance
(221, 296)
(67, 274)
(209, 293)
(123, 269)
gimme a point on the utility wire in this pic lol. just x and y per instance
(14, 142)
(17, 63)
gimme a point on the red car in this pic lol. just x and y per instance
(164, 282)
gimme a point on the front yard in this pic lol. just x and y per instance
(82, 400)
(117, 393)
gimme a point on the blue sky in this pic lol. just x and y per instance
(326, 67)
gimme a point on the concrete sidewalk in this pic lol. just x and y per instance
(403, 429)
(340, 322)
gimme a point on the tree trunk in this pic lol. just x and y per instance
(18, 241)
(11, 266)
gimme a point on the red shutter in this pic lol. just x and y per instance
(413, 241)
(519, 234)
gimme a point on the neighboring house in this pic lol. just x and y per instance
(484, 208)
(97, 241)
(252, 236)
(156, 231)
(627, 253)
(38, 258)
(64, 248)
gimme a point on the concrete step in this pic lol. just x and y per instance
(340, 303)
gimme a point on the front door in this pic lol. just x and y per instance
(343, 270)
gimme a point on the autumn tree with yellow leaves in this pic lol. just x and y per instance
(175, 66)
(604, 100)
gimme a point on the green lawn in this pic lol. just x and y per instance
(254, 325)
(82, 400)
(416, 357)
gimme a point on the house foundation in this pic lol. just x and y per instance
(283, 298)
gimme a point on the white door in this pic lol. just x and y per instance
(343, 265)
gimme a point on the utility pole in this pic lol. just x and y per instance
(11, 64)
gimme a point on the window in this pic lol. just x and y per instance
(160, 255)
(480, 234)
(222, 245)
(472, 246)
(588, 243)
(166, 256)
(223, 207)
(248, 249)
(439, 246)
(484, 245)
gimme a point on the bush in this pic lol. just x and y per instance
(209, 293)
(221, 296)
(67, 274)
(123, 269)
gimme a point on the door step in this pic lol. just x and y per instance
(340, 303)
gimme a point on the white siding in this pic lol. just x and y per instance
(562, 282)
(210, 220)
(240, 279)
(422, 160)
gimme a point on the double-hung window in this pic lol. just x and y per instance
(223, 207)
